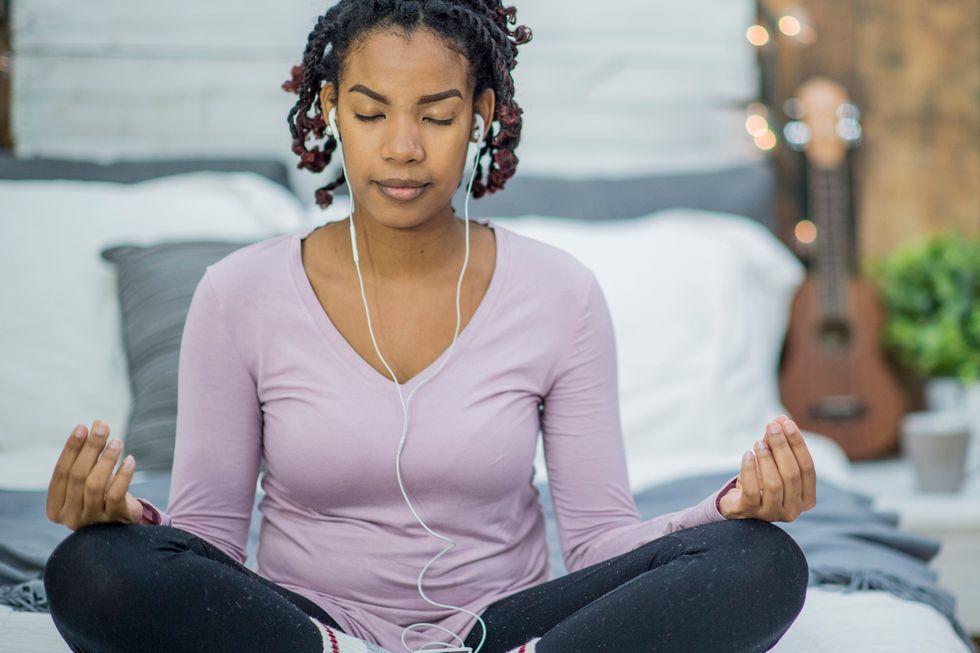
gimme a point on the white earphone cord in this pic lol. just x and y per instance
(447, 648)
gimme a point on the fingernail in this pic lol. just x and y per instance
(115, 444)
(78, 432)
(128, 462)
(747, 456)
(773, 428)
(760, 445)
(101, 429)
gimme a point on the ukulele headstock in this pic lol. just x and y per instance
(826, 123)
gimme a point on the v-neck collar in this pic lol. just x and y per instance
(320, 317)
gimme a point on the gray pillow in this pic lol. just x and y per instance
(129, 171)
(746, 189)
(155, 285)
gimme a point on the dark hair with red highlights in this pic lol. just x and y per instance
(476, 29)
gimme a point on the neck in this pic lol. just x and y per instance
(409, 253)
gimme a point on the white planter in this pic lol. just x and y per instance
(947, 394)
(944, 394)
(972, 403)
(937, 444)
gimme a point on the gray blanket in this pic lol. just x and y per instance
(846, 543)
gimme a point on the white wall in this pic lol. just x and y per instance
(642, 86)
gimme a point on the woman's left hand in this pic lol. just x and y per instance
(778, 482)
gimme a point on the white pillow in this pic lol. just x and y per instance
(60, 333)
(699, 301)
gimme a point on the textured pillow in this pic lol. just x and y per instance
(745, 190)
(60, 338)
(156, 284)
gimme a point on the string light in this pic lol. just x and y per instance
(757, 35)
(808, 36)
(765, 140)
(790, 25)
(795, 22)
(805, 232)
(756, 125)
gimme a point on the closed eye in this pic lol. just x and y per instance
(374, 118)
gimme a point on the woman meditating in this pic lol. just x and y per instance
(394, 370)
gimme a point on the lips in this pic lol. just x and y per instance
(402, 193)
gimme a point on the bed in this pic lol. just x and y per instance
(700, 312)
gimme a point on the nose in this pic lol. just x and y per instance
(402, 141)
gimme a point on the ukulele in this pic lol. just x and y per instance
(834, 379)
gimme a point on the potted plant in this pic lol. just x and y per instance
(931, 295)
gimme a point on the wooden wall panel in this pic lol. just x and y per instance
(918, 64)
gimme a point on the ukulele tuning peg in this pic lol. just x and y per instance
(848, 110)
(797, 134)
(848, 125)
(849, 131)
(794, 109)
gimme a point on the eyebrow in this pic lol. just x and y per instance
(425, 99)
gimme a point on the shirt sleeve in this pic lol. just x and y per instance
(218, 443)
(595, 513)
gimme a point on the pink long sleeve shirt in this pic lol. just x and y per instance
(264, 372)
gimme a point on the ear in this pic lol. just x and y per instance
(484, 105)
(326, 99)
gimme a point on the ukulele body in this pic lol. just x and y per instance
(833, 379)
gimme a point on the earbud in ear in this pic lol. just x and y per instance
(332, 119)
(478, 130)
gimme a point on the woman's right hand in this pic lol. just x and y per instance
(83, 489)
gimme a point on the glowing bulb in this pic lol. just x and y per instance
(808, 36)
(757, 35)
(756, 125)
(759, 108)
(790, 25)
(766, 140)
(805, 231)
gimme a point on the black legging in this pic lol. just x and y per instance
(726, 586)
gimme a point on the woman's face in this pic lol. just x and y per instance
(405, 112)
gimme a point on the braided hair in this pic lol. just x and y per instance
(476, 29)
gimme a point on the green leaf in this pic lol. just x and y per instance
(931, 295)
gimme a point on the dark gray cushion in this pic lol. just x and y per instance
(746, 190)
(155, 285)
(136, 170)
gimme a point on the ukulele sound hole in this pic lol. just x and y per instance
(838, 408)
(835, 336)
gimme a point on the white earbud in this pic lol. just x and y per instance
(332, 119)
(478, 135)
